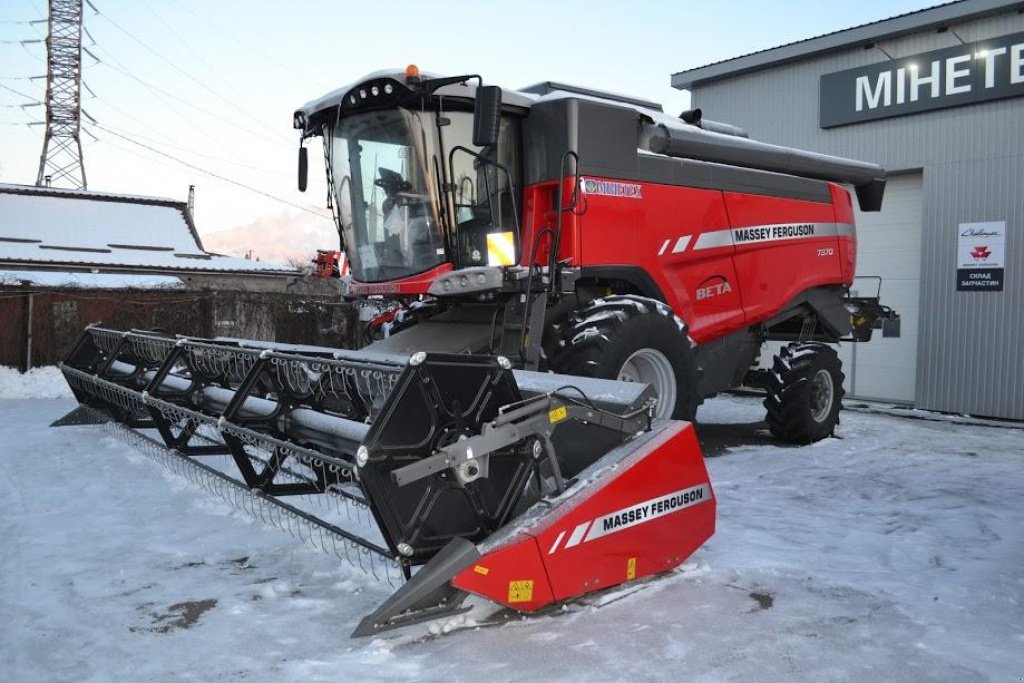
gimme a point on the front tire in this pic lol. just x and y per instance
(633, 338)
(805, 391)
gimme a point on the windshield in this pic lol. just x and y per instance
(385, 167)
(386, 195)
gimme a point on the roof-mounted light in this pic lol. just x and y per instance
(412, 74)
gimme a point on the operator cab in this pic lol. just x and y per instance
(420, 178)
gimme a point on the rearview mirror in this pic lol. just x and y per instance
(487, 115)
(303, 169)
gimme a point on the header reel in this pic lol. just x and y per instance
(389, 463)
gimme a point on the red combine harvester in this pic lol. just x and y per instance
(576, 270)
(590, 234)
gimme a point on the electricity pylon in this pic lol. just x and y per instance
(61, 160)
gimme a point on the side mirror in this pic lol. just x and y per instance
(303, 169)
(487, 115)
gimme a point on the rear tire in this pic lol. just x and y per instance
(805, 391)
(633, 338)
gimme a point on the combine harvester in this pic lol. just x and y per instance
(579, 270)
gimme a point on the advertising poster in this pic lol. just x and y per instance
(980, 256)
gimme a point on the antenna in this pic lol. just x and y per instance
(61, 159)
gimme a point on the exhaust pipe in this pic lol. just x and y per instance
(695, 117)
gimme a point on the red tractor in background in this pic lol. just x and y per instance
(329, 263)
(591, 234)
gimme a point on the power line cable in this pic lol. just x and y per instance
(20, 94)
(221, 31)
(176, 67)
(160, 92)
(188, 46)
(164, 140)
(209, 173)
(32, 54)
(124, 71)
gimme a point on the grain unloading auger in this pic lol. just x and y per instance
(453, 473)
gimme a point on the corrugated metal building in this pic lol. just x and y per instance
(937, 98)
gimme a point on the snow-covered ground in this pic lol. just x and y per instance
(895, 552)
(45, 382)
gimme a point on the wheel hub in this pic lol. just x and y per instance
(822, 394)
(650, 366)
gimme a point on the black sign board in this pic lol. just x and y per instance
(979, 280)
(965, 74)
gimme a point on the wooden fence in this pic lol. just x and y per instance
(38, 327)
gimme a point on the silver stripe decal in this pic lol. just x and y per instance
(777, 232)
(577, 534)
(649, 510)
(664, 247)
(712, 240)
(638, 513)
(771, 232)
(847, 229)
(554, 546)
(681, 244)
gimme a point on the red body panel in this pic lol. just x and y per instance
(645, 516)
(412, 285)
(774, 271)
(847, 238)
(694, 244)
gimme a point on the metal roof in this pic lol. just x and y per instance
(934, 17)
(47, 227)
(88, 280)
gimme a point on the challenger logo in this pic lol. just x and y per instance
(610, 188)
(716, 285)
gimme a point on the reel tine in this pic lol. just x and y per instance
(301, 466)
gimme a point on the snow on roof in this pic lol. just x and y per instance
(51, 226)
(44, 278)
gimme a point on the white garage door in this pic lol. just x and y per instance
(889, 245)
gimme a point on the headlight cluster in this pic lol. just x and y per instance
(368, 92)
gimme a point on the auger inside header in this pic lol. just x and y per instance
(389, 463)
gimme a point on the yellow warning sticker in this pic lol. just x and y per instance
(558, 414)
(481, 570)
(630, 569)
(501, 249)
(520, 591)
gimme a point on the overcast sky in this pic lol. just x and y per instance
(214, 82)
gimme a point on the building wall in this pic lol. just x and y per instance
(971, 344)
